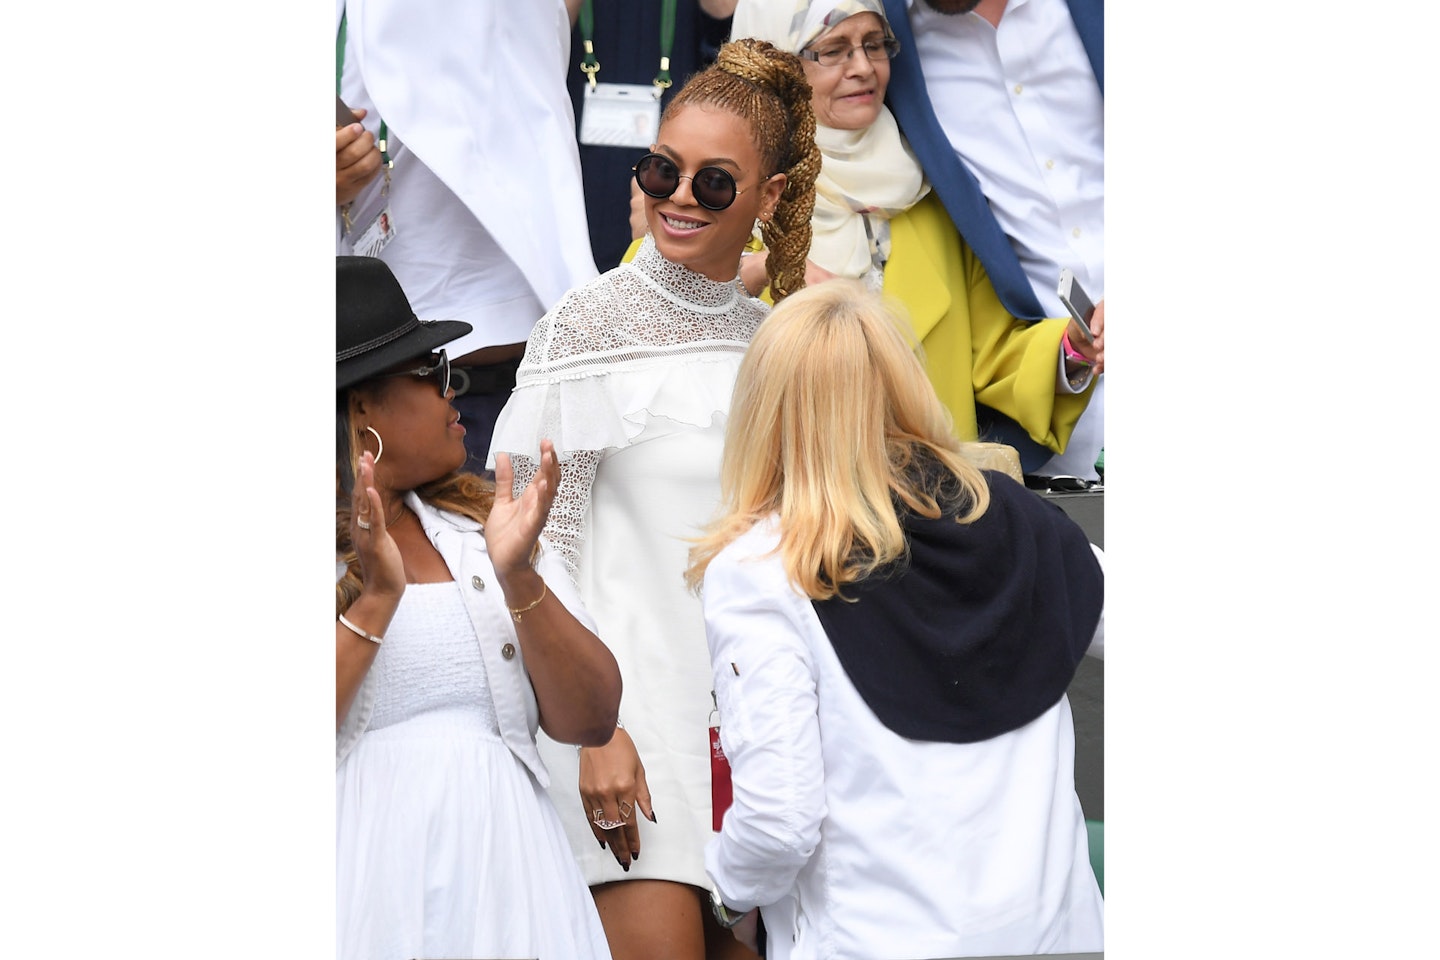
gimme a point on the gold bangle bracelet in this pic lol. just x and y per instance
(515, 614)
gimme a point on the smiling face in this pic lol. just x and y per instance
(710, 241)
(424, 439)
(848, 96)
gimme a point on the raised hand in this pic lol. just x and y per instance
(381, 568)
(514, 524)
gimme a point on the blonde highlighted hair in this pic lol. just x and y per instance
(834, 427)
(766, 87)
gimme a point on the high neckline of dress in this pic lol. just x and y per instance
(681, 281)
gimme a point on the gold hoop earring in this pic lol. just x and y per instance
(379, 443)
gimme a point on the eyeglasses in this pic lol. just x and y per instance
(442, 368)
(712, 187)
(875, 48)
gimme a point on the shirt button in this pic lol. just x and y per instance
(1019, 87)
(508, 651)
(1049, 164)
(477, 583)
(1075, 232)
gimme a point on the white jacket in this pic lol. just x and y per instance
(462, 546)
(859, 843)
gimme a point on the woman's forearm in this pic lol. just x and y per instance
(575, 676)
(353, 653)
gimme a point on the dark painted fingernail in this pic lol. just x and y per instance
(634, 857)
(625, 867)
(602, 844)
(651, 815)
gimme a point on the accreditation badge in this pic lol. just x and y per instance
(377, 235)
(620, 115)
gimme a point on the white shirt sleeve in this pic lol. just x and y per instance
(769, 728)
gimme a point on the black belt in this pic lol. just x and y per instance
(489, 379)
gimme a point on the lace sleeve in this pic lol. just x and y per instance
(565, 526)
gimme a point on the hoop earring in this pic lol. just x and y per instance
(380, 443)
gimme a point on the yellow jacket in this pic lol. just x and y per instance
(974, 349)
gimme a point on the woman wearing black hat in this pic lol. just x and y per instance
(457, 636)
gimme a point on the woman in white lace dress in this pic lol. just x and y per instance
(446, 842)
(631, 376)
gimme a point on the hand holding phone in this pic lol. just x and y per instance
(1077, 302)
(357, 161)
(344, 116)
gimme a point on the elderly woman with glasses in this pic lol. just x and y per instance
(631, 376)
(876, 220)
(457, 636)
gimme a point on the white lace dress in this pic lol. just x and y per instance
(446, 846)
(630, 375)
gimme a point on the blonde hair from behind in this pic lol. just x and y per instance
(831, 410)
(766, 87)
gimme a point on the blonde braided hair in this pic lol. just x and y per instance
(766, 87)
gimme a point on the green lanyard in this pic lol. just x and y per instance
(591, 66)
(340, 70)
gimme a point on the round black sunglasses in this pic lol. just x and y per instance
(712, 187)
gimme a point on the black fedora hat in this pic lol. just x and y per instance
(375, 327)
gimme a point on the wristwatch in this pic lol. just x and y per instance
(724, 916)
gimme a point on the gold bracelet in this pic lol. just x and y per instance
(515, 614)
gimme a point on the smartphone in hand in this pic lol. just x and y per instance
(1077, 302)
(344, 116)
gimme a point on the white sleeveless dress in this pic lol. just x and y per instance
(446, 846)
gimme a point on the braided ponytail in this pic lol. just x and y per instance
(767, 88)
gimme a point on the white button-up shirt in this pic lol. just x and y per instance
(1020, 105)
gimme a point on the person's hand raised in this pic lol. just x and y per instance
(514, 524)
(382, 571)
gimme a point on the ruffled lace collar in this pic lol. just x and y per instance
(682, 284)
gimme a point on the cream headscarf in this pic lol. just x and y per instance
(870, 171)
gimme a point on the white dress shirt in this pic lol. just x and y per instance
(485, 195)
(859, 843)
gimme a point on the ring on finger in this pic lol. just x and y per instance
(625, 810)
(362, 524)
(600, 821)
